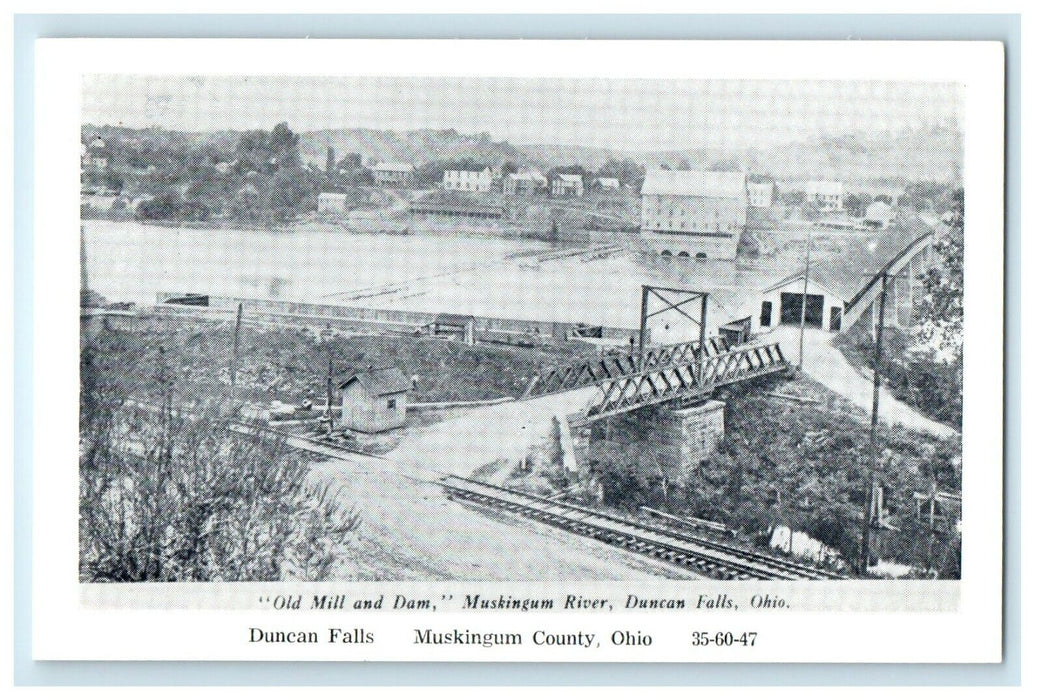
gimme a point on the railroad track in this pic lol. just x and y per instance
(304, 443)
(706, 556)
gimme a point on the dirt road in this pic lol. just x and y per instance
(824, 363)
(410, 531)
(483, 435)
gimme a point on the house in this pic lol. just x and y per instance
(392, 174)
(374, 400)
(467, 180)
(692, 213)
(565, 185)
(826, 194)
(607, 184)
(332, 203)
(456, 326)
(879, 215)
(528, 182)
(761, 194)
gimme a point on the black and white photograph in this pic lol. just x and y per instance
(393, 328)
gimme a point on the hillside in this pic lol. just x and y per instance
(415, 147)
(921, 154)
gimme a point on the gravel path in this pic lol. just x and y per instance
(824, 363)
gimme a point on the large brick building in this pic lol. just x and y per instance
(690, 213)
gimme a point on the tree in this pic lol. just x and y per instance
(509, 167)
(940, 313)
(855, 204)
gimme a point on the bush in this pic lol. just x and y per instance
(165, 497)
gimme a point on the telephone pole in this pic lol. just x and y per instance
(872, 446)
(235, 355)
(803, 303)
(329, 385)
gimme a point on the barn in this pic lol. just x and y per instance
(781, 304)
(374, 400)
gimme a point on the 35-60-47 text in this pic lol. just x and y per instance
(723, 639)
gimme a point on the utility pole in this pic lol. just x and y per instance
(872, 446)
(803, 303)
(329, 386)
(235, 355)
(643, 325)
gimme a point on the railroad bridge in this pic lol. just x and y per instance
(677, 381)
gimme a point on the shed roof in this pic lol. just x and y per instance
(608, 181)
(695, 183)
(450, 319)
(378, 382)
(845, 275)
(528, 176)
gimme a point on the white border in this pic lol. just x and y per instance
(64, 630)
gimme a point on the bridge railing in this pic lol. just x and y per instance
(590, 371)
(661, 384)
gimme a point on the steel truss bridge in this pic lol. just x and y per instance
(590, 371)
(682, 382)
(653, 375)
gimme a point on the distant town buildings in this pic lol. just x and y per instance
(565, 185)
(528, 182)
(608, 183)
(95, 155)
(879, 215)
(393, 174)
(761, 194)
(374, 400)
(332, 203)
(467, 180)
(826, 194)
(691, 213)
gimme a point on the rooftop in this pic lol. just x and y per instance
(380, 381)
(394, 167)
(695, 183)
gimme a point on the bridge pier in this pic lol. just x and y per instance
(679, 438)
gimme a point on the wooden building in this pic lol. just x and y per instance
(566, 185)
(374, 400)
(691, 213)
(392, 174)
(467, 180)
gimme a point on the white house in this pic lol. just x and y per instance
(827, 194)
(879, 214)
(565, 185)
(392, 174)
(332, 203)
(761, 194)
(528, 182)
(608, 183)
(692, 213)
(467, 180)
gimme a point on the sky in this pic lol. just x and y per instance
(627, 114)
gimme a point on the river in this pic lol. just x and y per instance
(130, 261)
